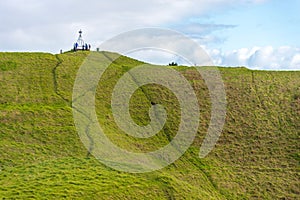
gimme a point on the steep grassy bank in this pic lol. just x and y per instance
(41, 155)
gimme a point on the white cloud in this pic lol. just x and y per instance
(296, 61)
(263, 58)
(53, 24)
(268, 57)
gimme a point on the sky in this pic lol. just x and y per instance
(258, 34)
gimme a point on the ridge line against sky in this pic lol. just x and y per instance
(259, 34)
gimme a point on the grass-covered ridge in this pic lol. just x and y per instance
(41, 155)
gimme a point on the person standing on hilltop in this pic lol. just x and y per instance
(76, 46)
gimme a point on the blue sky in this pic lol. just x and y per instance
(273, 23)
(258, 34)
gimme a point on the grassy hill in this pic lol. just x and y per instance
(41, 155)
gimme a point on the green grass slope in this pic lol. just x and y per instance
(41, 155)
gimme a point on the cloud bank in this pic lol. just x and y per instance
(268, 58)
(48, 25)
(51, 25)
